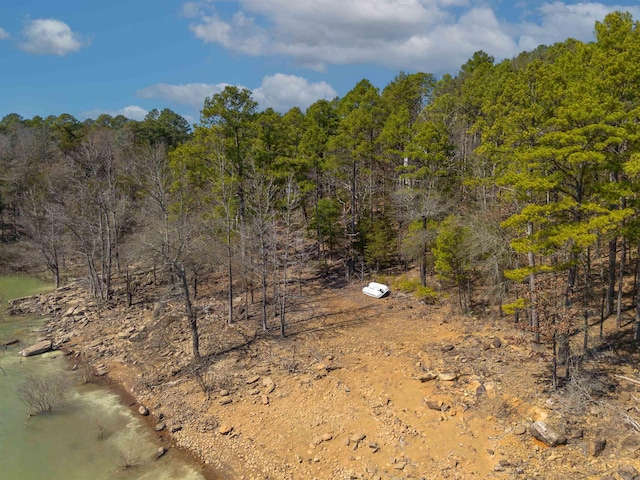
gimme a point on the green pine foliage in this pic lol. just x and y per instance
(502, 175)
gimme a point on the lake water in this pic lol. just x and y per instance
(92, 435)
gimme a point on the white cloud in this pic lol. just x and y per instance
(48, 36)
(3, 34)
(282, 92)
(279, 91)
(132, 112)
(192, 94)
(429, 35)
(559, 20)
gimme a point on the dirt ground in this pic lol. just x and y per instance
(360, 388)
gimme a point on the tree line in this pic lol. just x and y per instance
(518, 179)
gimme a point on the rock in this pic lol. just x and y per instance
(358, 437)
(36, 349)
(547, 434)
(627, 472)
(142, 410)
(265, 400)
(225, 429)
(427, 376)
(317, 440)
(497, 343)
(224, 393)
(225, 401)
(159, 426)
(519, 430)
(434, 404)
(447, 377)
(253, 379)
(175, 428)
(327, 437)
(630, 445)
(160, 452)
(597, 447)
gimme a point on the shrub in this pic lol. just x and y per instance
(408, 285)
(43, 394)
(129, 457)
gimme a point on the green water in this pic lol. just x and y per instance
(91, 435)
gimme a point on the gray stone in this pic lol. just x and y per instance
(434, 405)
(36, 349)
(160, 452)
(519, 430)
(597, 447)
(630, 445)
(547, 434)
(627, 472)
(142, 410)
(427, 376)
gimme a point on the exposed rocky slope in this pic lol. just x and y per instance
(360, 389)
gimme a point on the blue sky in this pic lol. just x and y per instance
(87, 57)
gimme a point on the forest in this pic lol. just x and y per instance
(512, 185)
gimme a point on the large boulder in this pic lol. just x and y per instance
(36, 349)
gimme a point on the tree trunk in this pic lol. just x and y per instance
(585, 298)
(423, 256)
(191, 314)
(554, 364)
(535, 324)
(229, 273)
(613, 250)
(637, 323)
(623, 255)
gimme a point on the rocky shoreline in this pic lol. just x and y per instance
(71, 314)
(366, 389)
